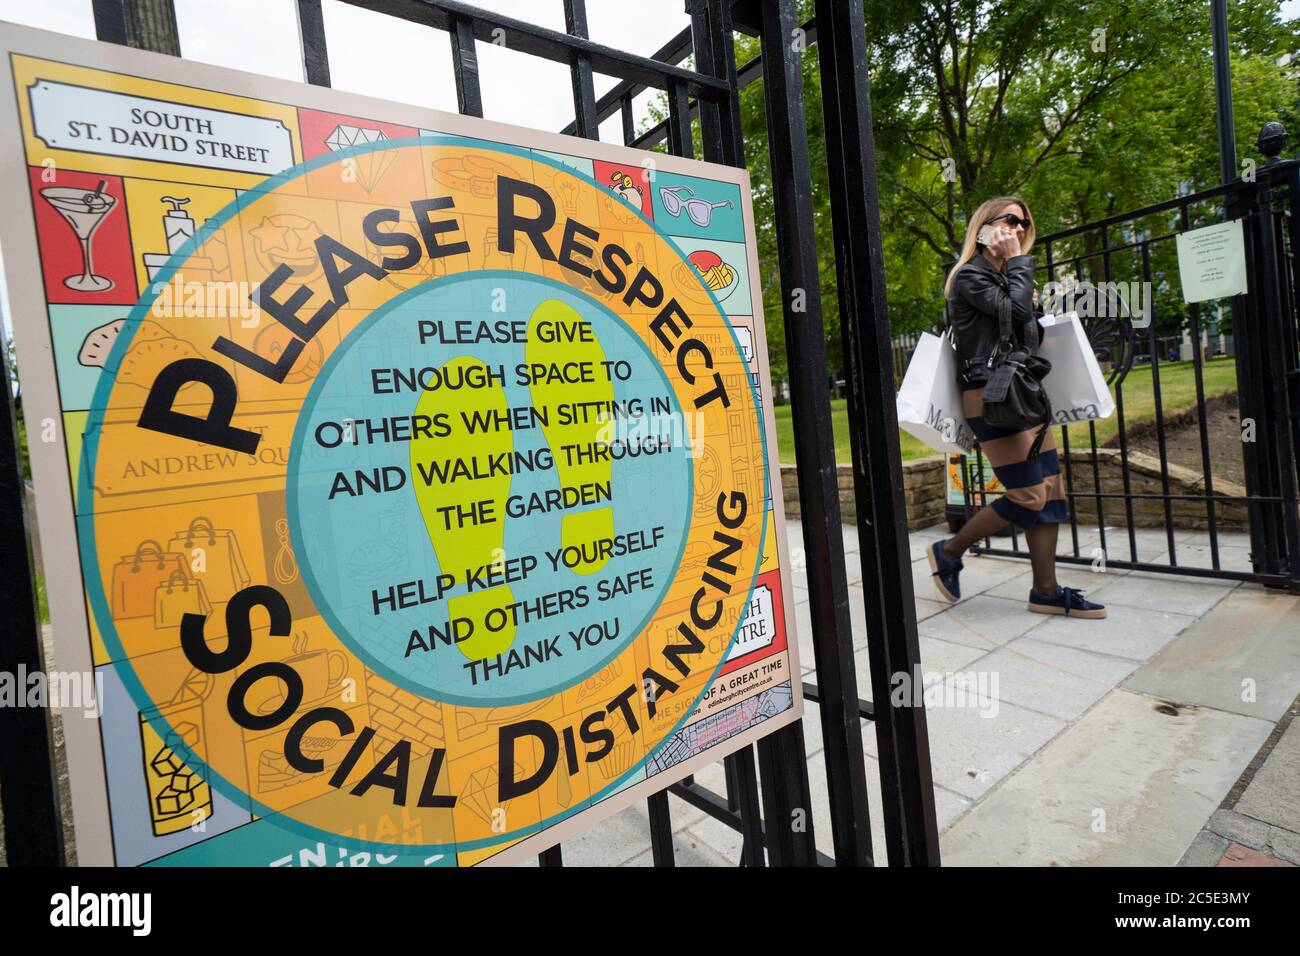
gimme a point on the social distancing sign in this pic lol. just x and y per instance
(410, 485)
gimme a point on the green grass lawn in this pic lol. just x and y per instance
(1177, 392)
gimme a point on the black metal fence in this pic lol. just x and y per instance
(1237, 368)
(767, 798)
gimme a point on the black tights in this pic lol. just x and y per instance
(1041, 539)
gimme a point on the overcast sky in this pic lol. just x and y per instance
(380, 56)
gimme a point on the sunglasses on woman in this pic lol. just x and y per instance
(1011, 219)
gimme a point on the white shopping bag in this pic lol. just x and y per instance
(1075, 385)
(929, 402)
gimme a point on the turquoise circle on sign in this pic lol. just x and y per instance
(355, 546)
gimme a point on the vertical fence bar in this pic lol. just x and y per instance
(110, 21)
(464, 67)
(1274, 341)
(1127, 480)
(585, 122)
(1154, 345)
(1251, 403)
(781, 755)
(551, 857)
(143, 24)
(311, 33)
(1067, 460)
(33, 835)
(722, 141)
(680, 142)
(715, 55)
(742, 797)
(1092, 425)
(903, 744)
(629, 124)
(1198, 374)
(661, 829)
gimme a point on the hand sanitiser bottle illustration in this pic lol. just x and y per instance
(178, 227)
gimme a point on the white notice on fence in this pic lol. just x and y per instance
(1212, 262)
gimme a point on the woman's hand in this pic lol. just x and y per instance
(1004, 244)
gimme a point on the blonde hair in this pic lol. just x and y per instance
(986, 211)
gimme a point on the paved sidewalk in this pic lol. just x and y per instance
(1087, 742)
(1160, 735)
(1258, 823)
(1106, 742)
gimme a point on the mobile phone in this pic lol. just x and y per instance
(986, 235)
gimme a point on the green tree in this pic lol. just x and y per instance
(1086, 108)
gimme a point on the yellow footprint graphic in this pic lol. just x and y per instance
(578, 528)
(466, 544)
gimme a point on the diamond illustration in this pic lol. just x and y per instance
(370, 167)
(480, 791)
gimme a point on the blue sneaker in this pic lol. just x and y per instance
(944, 572)
(1067, 601)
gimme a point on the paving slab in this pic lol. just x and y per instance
(1181, 595)
(1239, 828)
(1129, 632)
(1070, 576)
(1206, 850)
(610, 842)
(928, 607)
(1229, 826)
(1202, 556)
(983, 621)
(1243, 657)
(1127, 785)
(941, 658)
(971, 754)
(1053, 678)
(1273, 794)
(1238, 855)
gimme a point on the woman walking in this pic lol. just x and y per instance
(994, 267)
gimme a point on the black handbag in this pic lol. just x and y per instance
(1014, 396)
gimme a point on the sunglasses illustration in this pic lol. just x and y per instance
(700, 211)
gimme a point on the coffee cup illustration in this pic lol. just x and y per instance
(321, 671)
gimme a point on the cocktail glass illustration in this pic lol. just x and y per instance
(84, 210)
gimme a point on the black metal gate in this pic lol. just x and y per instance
(1113, 489)
(775, 817)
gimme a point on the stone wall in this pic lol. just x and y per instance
(1144, 479)
(925, 492)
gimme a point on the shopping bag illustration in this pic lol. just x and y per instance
(219, 563)
(176, 598)
(136, 578)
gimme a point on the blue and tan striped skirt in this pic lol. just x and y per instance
(1033, 488)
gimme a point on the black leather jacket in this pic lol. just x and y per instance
(977, 294)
